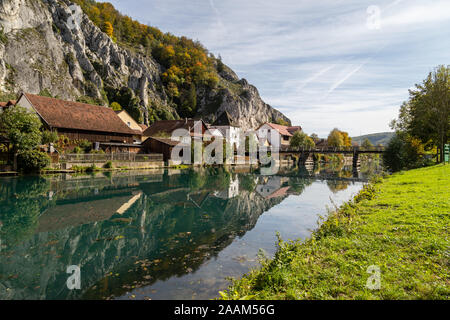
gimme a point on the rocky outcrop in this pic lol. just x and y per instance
(242, 101)
(51, 45)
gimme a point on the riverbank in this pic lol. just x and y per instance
(398, 224)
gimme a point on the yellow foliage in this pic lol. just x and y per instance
(109, 30)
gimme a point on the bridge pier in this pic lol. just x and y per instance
(356, 160)
(305, 158)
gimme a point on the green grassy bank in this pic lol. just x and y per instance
(399, 223)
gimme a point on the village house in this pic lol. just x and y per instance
(133, 125)
(273, 187)
(285, 134)
(229, 129)
(79, 121)
(158, 136)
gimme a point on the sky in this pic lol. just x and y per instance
(323, 63)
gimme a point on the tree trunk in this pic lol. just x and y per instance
(15, 162)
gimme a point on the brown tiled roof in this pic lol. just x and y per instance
(75, 115)
(165, 128)
(169, 142)
(3, 104)
(143, 126)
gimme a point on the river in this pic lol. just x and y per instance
(160, 234)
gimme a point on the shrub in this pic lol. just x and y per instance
(32, 160)
(115, 106)
(404, 152)
(85, 145)
(92, 168)
(50, 137)
(97, 152)
(108, 165)
(77, 150)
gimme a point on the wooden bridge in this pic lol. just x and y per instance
(305, 154)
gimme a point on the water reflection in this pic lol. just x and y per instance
(144, 229)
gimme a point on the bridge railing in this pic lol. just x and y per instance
(336, 149)
(97, 157)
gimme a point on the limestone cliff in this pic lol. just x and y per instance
(42, 49)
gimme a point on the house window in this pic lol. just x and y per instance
(129, 124)
(285, 138)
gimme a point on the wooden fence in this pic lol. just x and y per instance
(105, 157)
(4, 158)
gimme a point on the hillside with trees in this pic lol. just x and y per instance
(109, 59)
(376, 139)
(187, 63)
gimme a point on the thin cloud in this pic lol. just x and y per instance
(316, 60)
(345, 78)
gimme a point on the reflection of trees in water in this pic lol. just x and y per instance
(298, 185)
(20, 206)
(369, 168)
(171, 229)
(337, 185)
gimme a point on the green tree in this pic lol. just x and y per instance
(49, 137)
(127, 99)
(301, 140)
(367, 144)
(189, 102)
(282, 122)
(315, 137)
(426, 114)
(32, 160)
(335, 138)
(21, 127)
(115, 106)
(403, 152)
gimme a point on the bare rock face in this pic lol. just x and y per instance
(45, 49)
(52, 45)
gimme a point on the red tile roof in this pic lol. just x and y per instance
(165, 128)
(284, 130)
(75, 115)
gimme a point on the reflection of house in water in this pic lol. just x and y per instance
(85, 211)
(272, 187)
(231, 192)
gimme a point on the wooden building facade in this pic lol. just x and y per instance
(79, 121)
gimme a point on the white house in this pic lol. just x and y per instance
(229, 129)
(283, 134)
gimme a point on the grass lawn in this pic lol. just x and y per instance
(400, 224)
